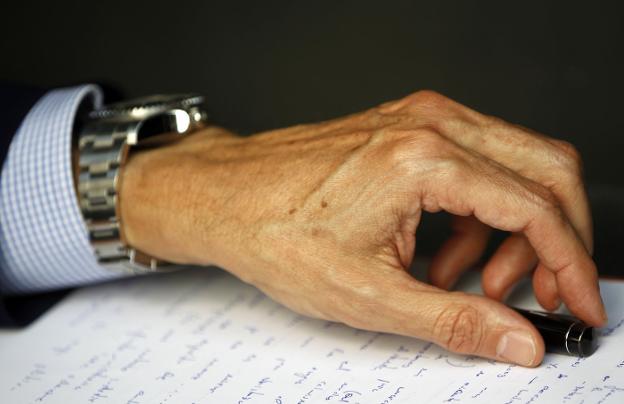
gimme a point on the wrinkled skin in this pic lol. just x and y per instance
(322, 217)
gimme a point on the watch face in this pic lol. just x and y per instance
(142, 108)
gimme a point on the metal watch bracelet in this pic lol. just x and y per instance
(104, 144)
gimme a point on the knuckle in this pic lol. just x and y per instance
(459, 328)
(569, 158)
(425, 98)
(428, 96)
(409, 150)
(569, 149)
(494, 121)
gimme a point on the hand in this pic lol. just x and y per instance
(322, 218)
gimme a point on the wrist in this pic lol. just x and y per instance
(160, 207)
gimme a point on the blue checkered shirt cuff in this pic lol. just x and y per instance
(43, 238)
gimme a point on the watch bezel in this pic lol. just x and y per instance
(144, 107)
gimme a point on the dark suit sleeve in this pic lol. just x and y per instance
(15, 102)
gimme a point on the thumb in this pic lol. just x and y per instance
(457, 321)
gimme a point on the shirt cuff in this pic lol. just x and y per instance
(44, 241)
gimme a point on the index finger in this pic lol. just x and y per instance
(505, 200)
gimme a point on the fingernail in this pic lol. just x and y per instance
(518, 347)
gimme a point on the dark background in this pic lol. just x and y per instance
(555, 67)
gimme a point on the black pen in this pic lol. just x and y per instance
(562, 333)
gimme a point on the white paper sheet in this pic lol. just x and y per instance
(205, 337)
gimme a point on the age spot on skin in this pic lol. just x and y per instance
(323, 204)
(293, 210)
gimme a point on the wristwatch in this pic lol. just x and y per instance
(104, 141)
